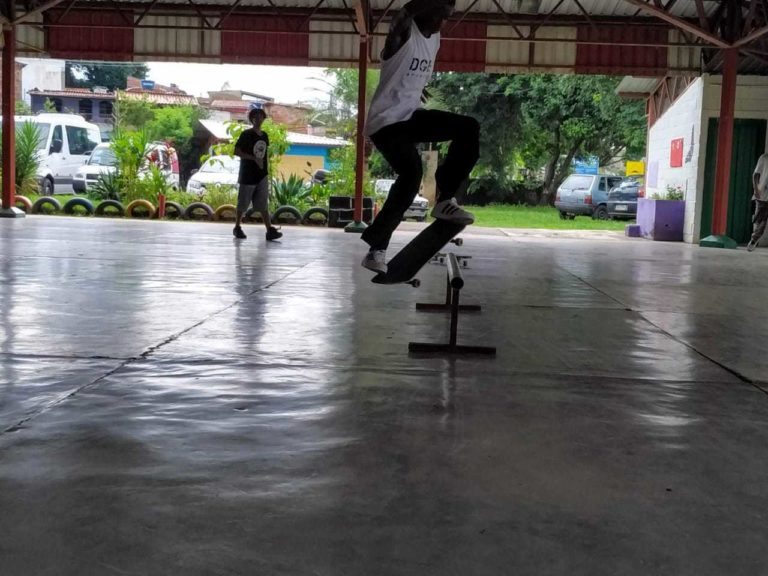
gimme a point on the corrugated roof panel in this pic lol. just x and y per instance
(377, 43)
(615, 60)
(330, 49)
(169, 42)
(92, 34)
(30, 40)
(683, 59)
(635, 85)
(555, 56)
(506, 55)
(242, 42)
(684, 8)
(462, 55)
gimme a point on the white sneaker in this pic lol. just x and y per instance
(751, 246)
(451, 211)
(376, 260)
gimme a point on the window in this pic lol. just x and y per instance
(105, 109)
(601, 186)
(221, 164)
(577, 182)
(103, 156)
(57, 104)
(85, 109)
(58, 137)
(42, 133)
(79, 142)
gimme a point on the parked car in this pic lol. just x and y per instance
(585, 194)
(217, 170)
(66, 141)
(418, 208)
(622, 199)
(103, 160)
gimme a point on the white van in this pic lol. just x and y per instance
(66, 141)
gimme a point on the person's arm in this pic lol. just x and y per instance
(400, 28)
(756, 175)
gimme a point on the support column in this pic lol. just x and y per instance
(8, 208)
(358, 225)
(719, 239)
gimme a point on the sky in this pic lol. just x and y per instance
(286, 84)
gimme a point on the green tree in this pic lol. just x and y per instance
(564, 117)
(132, 114)
(483, 97)
(339, 116)
(175, 125)
(109, 75)
(23, 109)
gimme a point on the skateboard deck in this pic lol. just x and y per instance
(414, 255)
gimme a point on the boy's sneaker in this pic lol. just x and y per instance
(237, 232)
(273, 234)
(376, 260)
(451, 211)
(751, 246)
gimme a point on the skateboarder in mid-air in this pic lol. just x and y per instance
(396, 123)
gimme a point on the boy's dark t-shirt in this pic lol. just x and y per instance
(253, 171)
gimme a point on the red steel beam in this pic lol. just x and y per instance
(725, 141)
(749, 38)
(8, 110)
(47, 6)
(360, 138)
(381, 34)
(679, 23)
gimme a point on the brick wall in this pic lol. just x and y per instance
(18, 82)
(294, 118)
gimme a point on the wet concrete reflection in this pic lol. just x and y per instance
(175, 403)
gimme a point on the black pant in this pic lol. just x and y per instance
(397, 143)
(759, 220)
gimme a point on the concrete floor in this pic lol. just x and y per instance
(173, 403)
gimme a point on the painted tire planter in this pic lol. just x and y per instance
(173, 210)
(84, 203)
(40, 203)
(115, 208)
(225, 212)
(253, 217)
(310, 217)
(293, 215)
(130, 210)
(198, 211)
(23, 202)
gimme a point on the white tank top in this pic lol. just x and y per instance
(402, 81)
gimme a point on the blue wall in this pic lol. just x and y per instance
(305, 150)
(72, 104)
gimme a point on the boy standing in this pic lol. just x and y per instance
(253, 149)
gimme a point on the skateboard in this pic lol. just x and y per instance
(414, 255)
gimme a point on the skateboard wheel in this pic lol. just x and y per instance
(459, 241)
(415, 282)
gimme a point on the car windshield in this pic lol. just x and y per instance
(219, 164)
(42, 130)
(578, 182)
(103, 157)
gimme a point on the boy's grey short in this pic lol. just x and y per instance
(256, 194)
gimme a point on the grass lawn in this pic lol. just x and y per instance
(505, 216)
